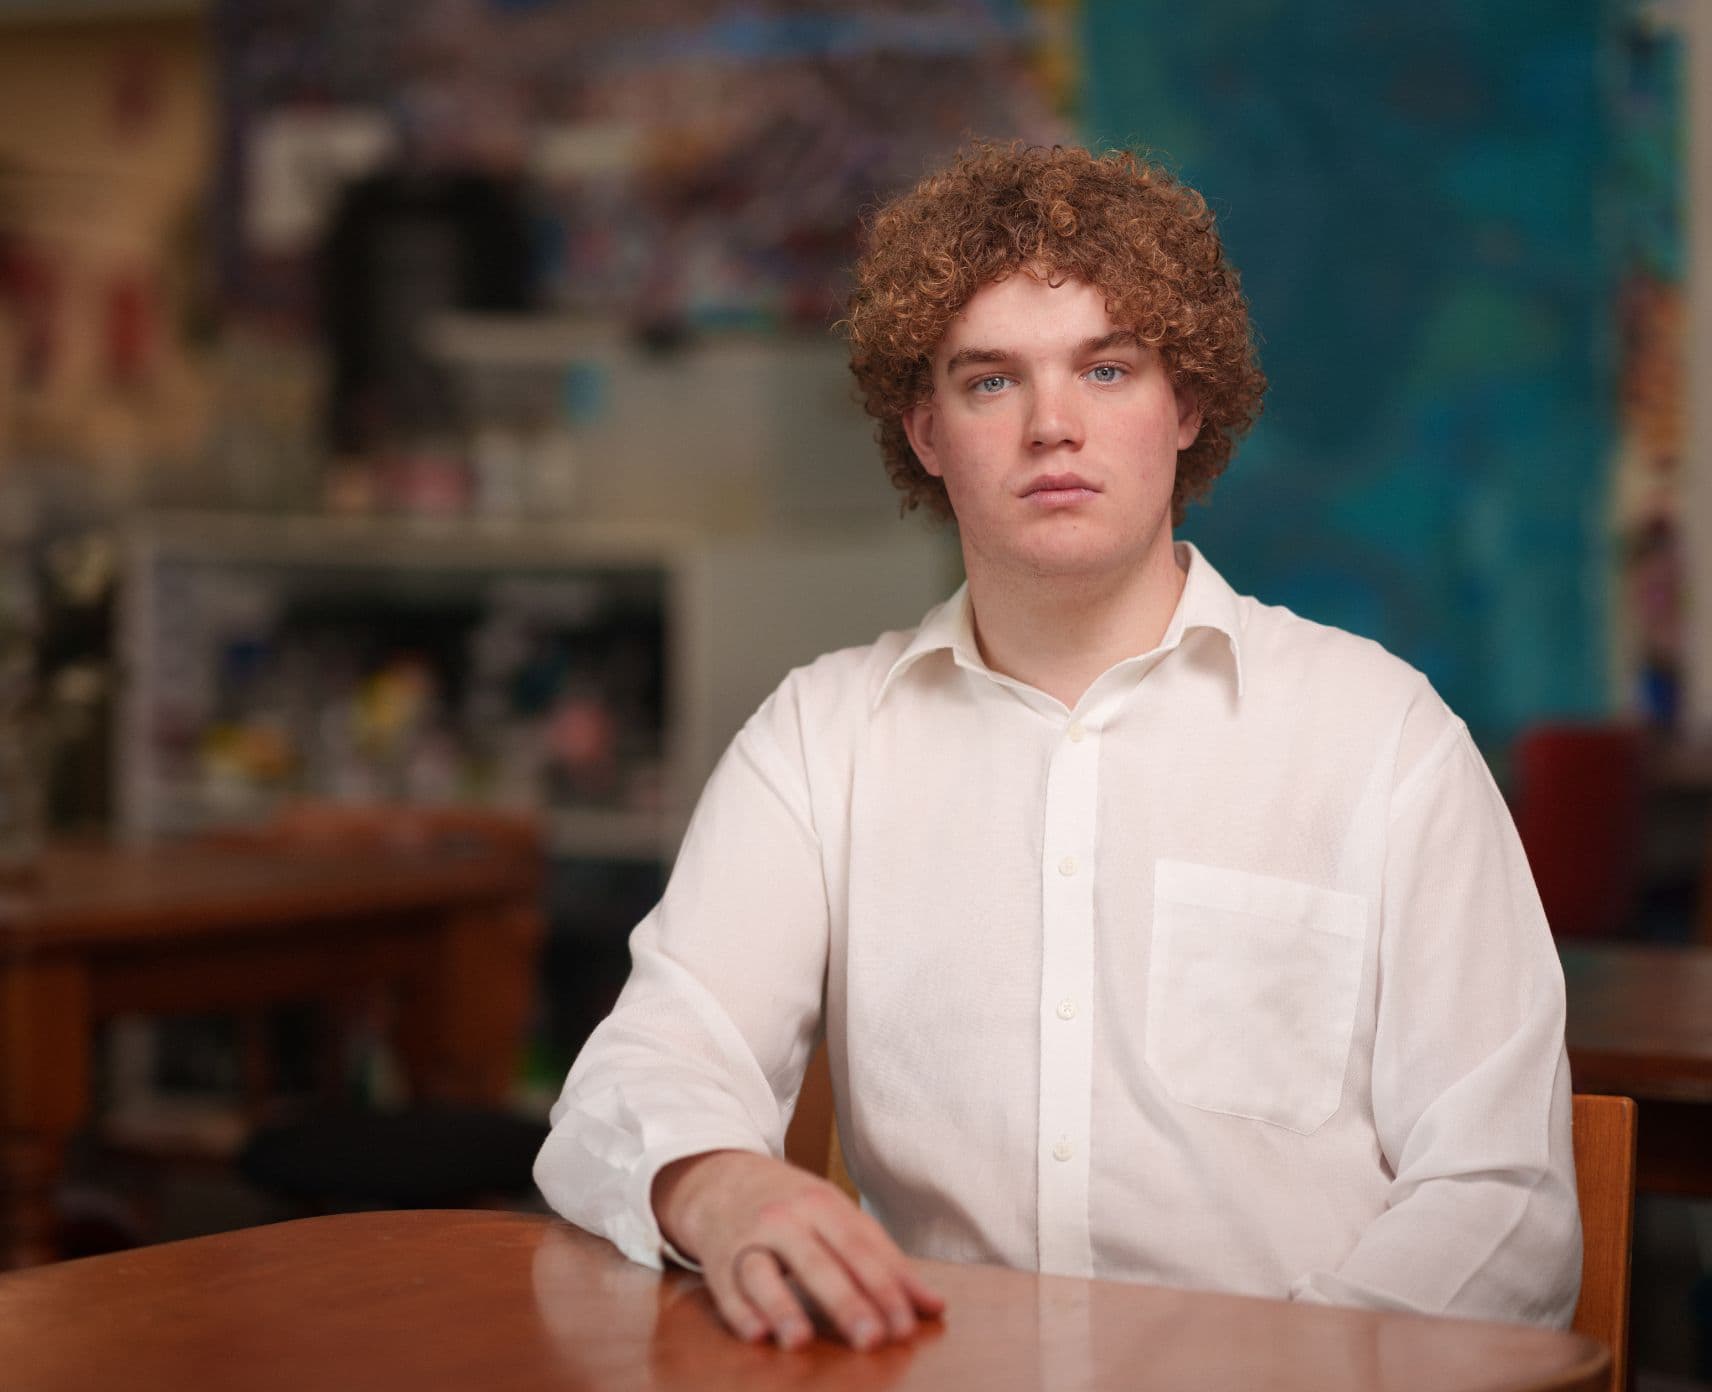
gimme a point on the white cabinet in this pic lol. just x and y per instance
(594, 671)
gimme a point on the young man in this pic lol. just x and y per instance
(1156, 933)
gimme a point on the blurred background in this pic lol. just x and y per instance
(434, 402)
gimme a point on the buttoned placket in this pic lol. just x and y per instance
(1066, 993)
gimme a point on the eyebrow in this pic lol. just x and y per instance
(968, 357)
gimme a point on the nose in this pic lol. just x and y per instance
(1054, 417)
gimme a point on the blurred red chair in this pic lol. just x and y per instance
(1578, 807)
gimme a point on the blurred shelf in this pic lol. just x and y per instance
(552, 340)
(84, 11)
(721, 615)
(586, 833)
(172, 1127)
(318, 539)
(523, 340)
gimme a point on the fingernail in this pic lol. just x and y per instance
(903, 1325)
(865, 1333)
(792, 1334)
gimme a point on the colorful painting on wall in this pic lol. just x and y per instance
(688, 164)
(1436, 212)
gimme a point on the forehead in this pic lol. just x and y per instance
(1027, 313)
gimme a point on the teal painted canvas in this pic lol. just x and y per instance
(1414, 197)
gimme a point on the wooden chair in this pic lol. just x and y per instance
(811, 1140)
(1604, 1132)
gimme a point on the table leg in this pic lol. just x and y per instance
(44, 1096)
(461, 1031)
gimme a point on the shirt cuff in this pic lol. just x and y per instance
(646, 1234)
(1328, 1288)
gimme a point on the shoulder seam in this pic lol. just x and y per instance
(1405, 792)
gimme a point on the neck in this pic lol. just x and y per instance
(1059, 633)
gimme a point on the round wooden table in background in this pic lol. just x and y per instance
(449, 934)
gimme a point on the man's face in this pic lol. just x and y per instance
(1056, 432)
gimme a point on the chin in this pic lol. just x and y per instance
(1079, 559)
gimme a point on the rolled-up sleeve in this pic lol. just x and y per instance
(706, 1046)
(1471, 1089)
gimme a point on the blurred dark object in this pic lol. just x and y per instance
(20, 782)
(78, 581)
(402, 248)
(592, 906)
(1579, 811)
(417, 1157)
(1654, 584)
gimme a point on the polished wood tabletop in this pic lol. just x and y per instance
(1640, 1018)
(1640, 1025)
(95, 891)
(428, 1300)
(448, 932)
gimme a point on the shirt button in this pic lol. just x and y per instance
(1063, 1150)
(1067, 866)
(1077, 732)
(1067, 1009)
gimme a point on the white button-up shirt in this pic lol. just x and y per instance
(1233, 977)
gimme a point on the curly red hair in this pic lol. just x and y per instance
(1122, 225)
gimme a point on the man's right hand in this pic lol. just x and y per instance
(751, 1220)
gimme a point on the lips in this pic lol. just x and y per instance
(1058, 483)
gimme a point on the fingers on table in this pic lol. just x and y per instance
(744, 1316)
(845, 1263)
(926, 1300)
(758, 1285)
(826, 1281)
(880, 1272)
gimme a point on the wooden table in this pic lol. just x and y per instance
(430, 1300)
(107, 930)
(1640, 1024)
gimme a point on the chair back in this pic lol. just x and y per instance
(811, 1140)
(1604, 1131)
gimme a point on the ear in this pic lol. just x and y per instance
(921, 427)
(1188, 416)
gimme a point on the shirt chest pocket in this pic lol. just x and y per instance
(1251, 992)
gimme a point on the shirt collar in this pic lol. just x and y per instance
(1207, 601)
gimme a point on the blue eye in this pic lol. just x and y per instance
(1106, 373)
(989, 385)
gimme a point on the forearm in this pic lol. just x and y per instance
(1482, 1218)
(1469, 1080)
(1480, 1246)
(707, 1042)
(635, 1103)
